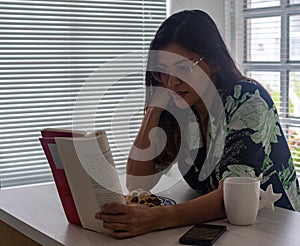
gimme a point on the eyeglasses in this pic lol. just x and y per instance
(182, 71)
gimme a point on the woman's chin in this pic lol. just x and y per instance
(181, 103)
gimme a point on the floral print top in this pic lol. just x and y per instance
(254, 146)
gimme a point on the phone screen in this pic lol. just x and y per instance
(202, 234)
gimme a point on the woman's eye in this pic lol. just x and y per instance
(183, 69)
(160, 70)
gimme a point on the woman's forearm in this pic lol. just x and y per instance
(140, 168)
(202, 209)
(150, 121)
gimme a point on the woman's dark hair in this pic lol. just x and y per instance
(195, 31)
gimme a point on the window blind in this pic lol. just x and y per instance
(64, 59)
(267, 47)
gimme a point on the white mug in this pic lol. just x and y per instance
(241, 199)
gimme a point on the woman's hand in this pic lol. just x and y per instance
(128, 220)
(161, 97)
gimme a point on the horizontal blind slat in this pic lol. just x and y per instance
(49, 54)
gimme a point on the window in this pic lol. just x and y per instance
(64, 56)
(267, 46)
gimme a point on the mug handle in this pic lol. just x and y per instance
(268, 198)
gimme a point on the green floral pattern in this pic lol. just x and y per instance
(239, 171)
(255, 146)
(256, 115)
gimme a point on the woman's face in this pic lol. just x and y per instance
(186, 74)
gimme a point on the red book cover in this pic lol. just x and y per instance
(60, 178)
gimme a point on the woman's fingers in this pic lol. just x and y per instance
(127, 220)
(115, 226)
(114, 208)
(122, 234)
(117, 213)
(123, 218)
(120, 230)
(161, 97)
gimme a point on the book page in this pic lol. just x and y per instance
(92, 177)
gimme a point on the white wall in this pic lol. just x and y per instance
(215, 8)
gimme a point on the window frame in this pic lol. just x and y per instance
(238, 44)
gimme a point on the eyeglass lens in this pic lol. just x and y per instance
(180, 71)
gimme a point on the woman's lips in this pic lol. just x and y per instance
(181, 93)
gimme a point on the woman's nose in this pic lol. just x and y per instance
(173, 81)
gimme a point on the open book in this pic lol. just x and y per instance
(84, 173)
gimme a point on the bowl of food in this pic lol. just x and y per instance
(146, 198)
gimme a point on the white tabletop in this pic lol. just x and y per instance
(37, 212)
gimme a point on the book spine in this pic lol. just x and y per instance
(60, 179)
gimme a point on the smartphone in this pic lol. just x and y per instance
(202, 234)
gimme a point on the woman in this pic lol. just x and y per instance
(245, 125)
